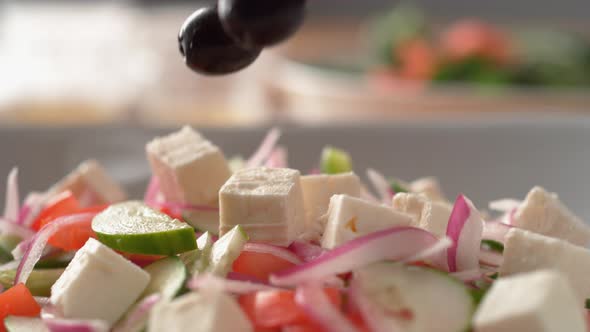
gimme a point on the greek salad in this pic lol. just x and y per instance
(250, 244)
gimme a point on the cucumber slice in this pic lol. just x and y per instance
(225, 251)
(437, 301)
(197, 261)
(24, 324)
(61, 259)
(39, 283)
(335, 161)
(7, 244)
(167, 277)
(134, 227)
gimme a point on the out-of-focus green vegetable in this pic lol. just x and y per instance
(335, 161)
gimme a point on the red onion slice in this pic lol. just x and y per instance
(465, 229)
(381, 186)
(312, 299)
(9, 227)
(10, 265)
(397, 243)
(11, 206)
(278, 158)
(39, 241)
(306, 251)
(74, 325)
(495, 230)
(490, 258)
(264, 150)
(42, 301)
(279, 252)
(209, 281)
(138, 316)
(504, 205)
(183, 207)
(153, 191)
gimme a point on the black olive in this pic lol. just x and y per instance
(260, 23)
(206, 47)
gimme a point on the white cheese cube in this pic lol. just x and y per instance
(427, 214)
(98, 284)
(542, 212)
(429, 187)
(206, 311)
(350, 217)
(266, 202)
(541, 301)
(526, 251)
(91, 185)
(190, 168)
(318, 189)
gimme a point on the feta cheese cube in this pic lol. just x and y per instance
(190, 168)
(542, 212)
(541, 301)
(318, 189)
(266, 202)
(91, 185)
(206, 311)
(427, 214)
(98, 284)
(350, 217)
(525, 251)
(429, 187)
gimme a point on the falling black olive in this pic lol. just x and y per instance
(207, 48)
(260, 23)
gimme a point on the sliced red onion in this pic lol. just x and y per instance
(138, 316)
(381, 185)
(468, 275)
(373, 316)
(504, 205)
(265, 149)
(33, 205)
(244, 277)
(313, 300)
(491, 258)
(75, 325)
(306, 251)
(10, 265)
(206, 281)
(42, 301)
(272, 250)
(153, 190)
(9, 227)
(441, 246)
(39, 241)
(495, 230)
(278, 158)
(11, 206)
(465, 229)
(397, 243)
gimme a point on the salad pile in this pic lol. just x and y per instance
(252, 245)
(406, 45)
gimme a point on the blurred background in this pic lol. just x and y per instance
(81, 63)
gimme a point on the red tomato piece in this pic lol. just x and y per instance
(171, 213)
(17, 301)
(475, 38)
(259, 265)
(272, 309)
(60, 205)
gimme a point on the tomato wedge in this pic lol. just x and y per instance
(259, 265)
(17, 301)
(273, 309)
(71, 237)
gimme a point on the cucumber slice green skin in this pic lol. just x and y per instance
(59, 260)
(39, 283)
(226, 250)
(420, 290)
(7, 244)
(167, 277)
(167, 243)
(134, 227)
(24, 324)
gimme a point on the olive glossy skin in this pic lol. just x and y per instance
(207, 48)
(261, 23)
